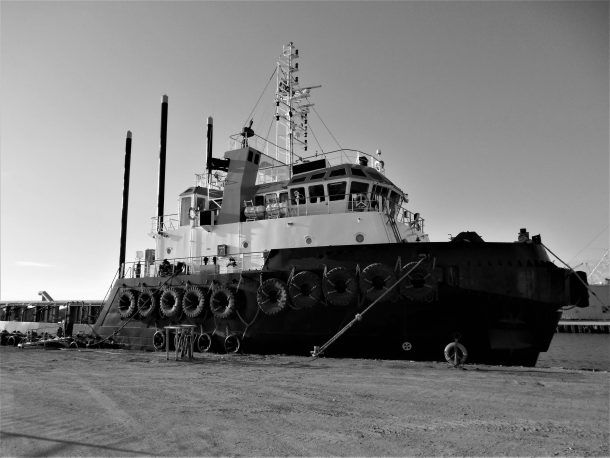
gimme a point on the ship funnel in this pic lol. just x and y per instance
(162, 150)
(125, 205)
(208, 162)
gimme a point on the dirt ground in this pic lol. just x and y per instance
(118, 403)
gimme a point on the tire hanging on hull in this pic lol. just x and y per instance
(171, 302)
(304, 290)
(420, 285)
(456, 354)
(271, 296)
(158, 340)
(222, 302)
(340, 286)
(204, 343)
(148, 303)
(376, 280)
(128, 303)
(193, 301)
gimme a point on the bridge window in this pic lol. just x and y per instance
(317, 176)
(358, 172)
(337, 172)
(358, 187)
(316, 193)
(336, 191)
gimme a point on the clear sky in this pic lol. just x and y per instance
(492, 115)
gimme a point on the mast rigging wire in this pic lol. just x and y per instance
(331, 134)
(260, 97)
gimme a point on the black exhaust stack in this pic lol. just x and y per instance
(208, 161)
(125, 205)
(162, 150)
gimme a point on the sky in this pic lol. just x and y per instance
(492, 115)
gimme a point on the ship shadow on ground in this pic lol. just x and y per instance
(61, 447)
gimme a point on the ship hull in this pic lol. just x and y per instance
(500, 300)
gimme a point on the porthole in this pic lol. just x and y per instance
(308, 240)
(244, 244)
(359, 238)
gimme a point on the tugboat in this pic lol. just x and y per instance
(275, 251)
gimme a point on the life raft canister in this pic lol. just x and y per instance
(340, 286)
(128, 303)
(222, 302)
(193, 301)
(456, 354)
(171, 302)
(420, 285)
(271, 296)
(148, 302)
(158, 340)
(304, 290)
(377, 278)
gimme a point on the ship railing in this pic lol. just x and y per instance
(282, 154)
(169, 223)
(197, 264)
(335, 203)
(261, 144)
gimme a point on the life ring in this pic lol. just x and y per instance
(158, 340)
(304, 289)
(271, 296)
(222, 302)
(128, 303)
(360, 202)
(420, 284)
(193, 301)
(193, 213)
(456, 354)
(171, 302)
(376, 280)
(204, 343)
(148, 302)
(232, 343)
(340, 286)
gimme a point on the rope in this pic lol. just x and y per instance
(316, 139)
(574, 272)
(331, 134)
(318, 351)
(116, 331)
(261, 96)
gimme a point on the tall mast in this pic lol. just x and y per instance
(291, 106)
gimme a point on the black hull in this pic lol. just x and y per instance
(500, 300)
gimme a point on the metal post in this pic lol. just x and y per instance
(162, 151)
(125, 205)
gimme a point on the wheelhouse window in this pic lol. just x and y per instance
(317, 176)
(316, 193)
(337, 173)
(336, 191)
(259, 200)
(358, 172)
(358, 187)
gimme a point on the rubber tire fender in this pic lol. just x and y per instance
(193, 301)
(128, 303)
(376, 279)
(148, 302)
(304, 290)
(204, 343)
(158, 340)
(171, 302)
(450, 353)
(271, 296)
(222, 302)
(340, 286)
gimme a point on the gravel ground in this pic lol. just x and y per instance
(119, 403)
